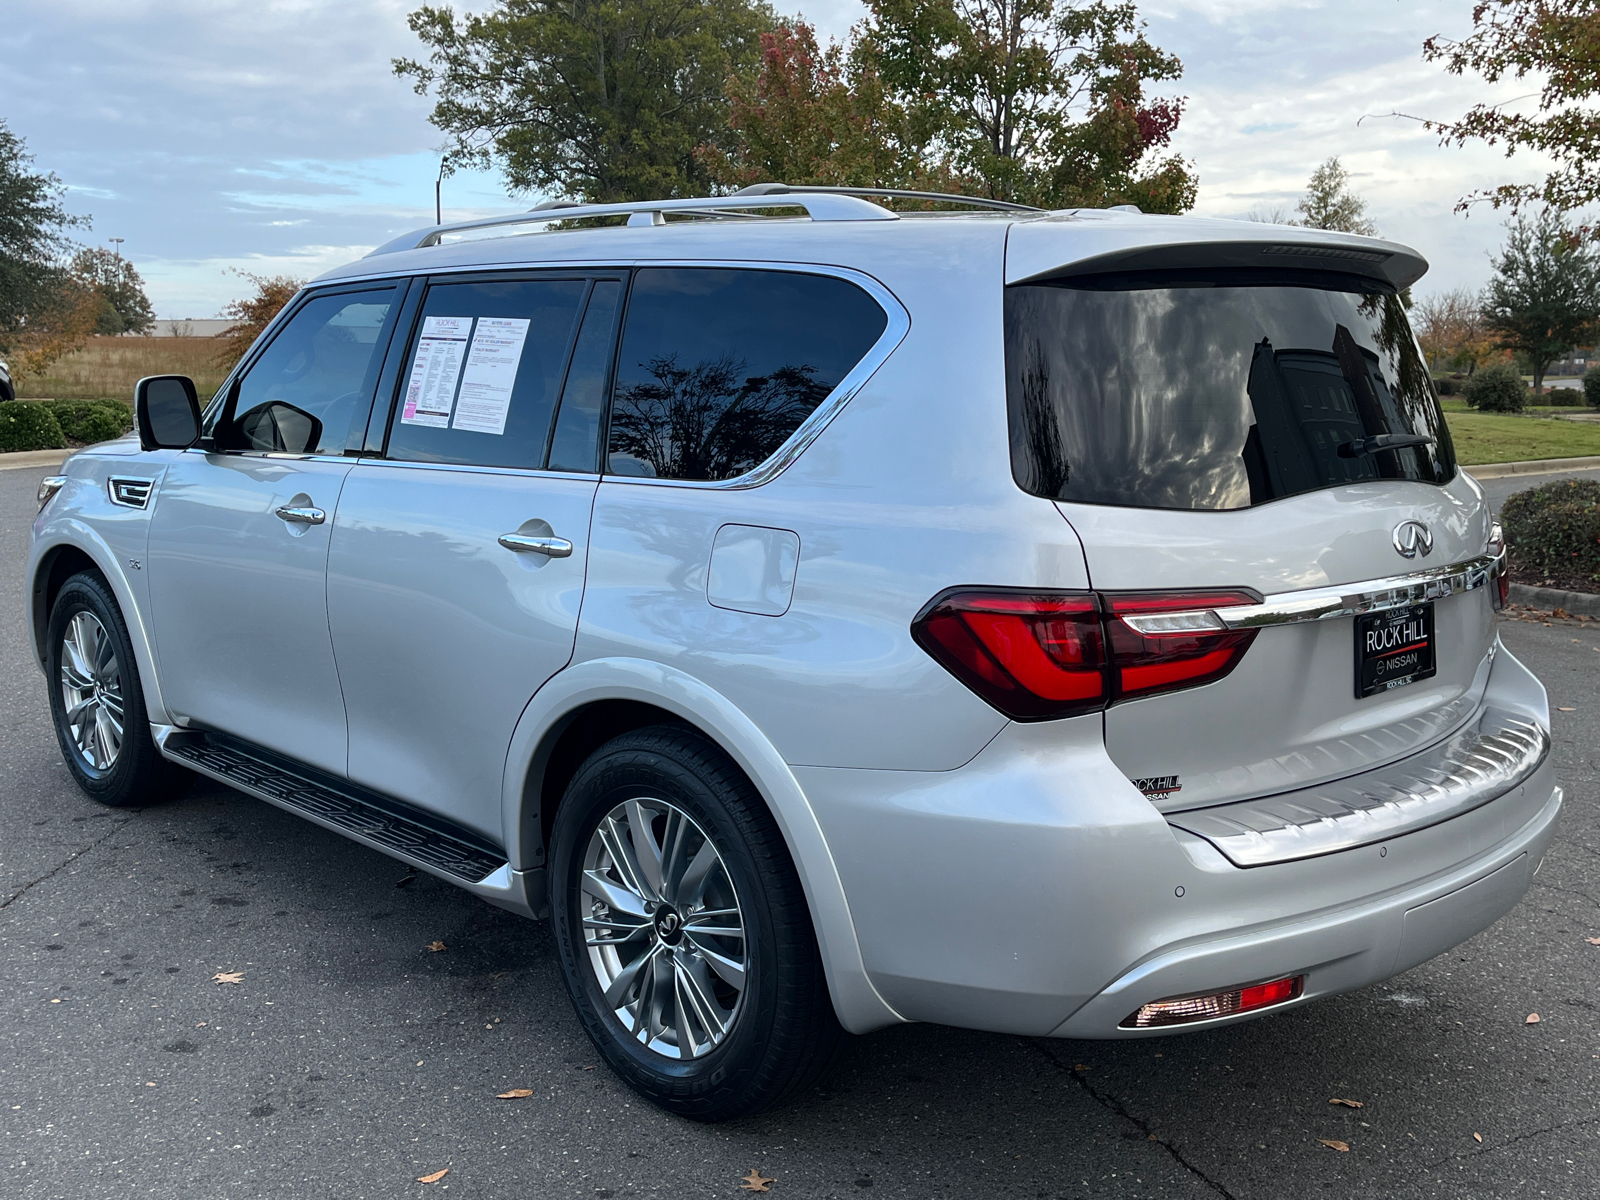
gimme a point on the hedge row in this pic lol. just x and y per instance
(1554, 530)
(52, 424)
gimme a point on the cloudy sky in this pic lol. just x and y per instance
(272, 136)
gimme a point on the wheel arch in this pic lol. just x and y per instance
(584, 706)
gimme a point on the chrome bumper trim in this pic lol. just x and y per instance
(1480, 764)
(1372, 595)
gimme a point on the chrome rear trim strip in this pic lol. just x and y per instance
(1483, 762)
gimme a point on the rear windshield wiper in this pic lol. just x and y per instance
(1382, 441)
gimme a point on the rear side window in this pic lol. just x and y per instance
(718, 367)
(1185, 391)
(484, 372)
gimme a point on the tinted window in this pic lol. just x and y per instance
(575, 445)
(482, 374)
(1214, 393)
(718, 367)
(300, 395)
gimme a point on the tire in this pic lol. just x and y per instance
(780, 1032)
(90, 667)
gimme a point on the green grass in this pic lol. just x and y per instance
(1492, 438)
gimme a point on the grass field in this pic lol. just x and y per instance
(110, 366)
(1491, 438)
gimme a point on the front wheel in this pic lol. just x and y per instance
(685, 939)
(97, 703)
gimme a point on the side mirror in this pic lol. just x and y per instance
(166, 409)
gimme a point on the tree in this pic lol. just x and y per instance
(44, 312)
(1557, 42)
(1451, 330)
(603, 100)
(1544, 297)
(1330, 204)
(1037, 101)
(122, 305)
(254, 313)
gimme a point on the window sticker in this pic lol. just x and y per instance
(432, 388)
(491, 373)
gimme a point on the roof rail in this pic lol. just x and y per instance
(801, 189)
(820, 207)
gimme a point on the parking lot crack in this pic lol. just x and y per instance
(66, 862)
(1111, 1104)
(1477, 1151)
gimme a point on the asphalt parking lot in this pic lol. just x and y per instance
(350, 1059)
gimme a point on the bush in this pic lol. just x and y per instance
(1591, 386)
(1447, 386)
(1497, 389)
(29, 425)
(1554, 531)
(90, 421)
(1562, 397)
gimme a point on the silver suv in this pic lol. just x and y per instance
(1068, 624)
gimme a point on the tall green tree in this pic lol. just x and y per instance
(1557, 44)
(122, 305)
(1544, 297)
(601, 100)
(34, 243)
(1038, 101)
(1330, 204)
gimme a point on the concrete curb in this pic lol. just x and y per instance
(1538, 466)
(1549, 599)
(32, 458)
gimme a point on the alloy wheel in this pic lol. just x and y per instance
(91, 689)
(663, 927)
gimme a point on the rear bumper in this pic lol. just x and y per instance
(1035, 891)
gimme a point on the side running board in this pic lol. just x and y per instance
(433, 843)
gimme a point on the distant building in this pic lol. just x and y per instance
(188, 327)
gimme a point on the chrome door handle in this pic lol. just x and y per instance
(522, 543)
(300, 515)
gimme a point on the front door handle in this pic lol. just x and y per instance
(301, 514)
(551, 547)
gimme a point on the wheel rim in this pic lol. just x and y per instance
(663, 927)
(91, 691)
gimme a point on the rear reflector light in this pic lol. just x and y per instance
(1038, 656)
(1220, 1004)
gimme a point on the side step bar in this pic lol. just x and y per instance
(423, 840)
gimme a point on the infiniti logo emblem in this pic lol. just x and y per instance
(1412, 538)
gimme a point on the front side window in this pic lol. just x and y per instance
(718, 367)
(299, 397)
(1220, 391)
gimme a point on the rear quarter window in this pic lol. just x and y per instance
(1221, 391)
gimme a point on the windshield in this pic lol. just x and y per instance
(1215, 391)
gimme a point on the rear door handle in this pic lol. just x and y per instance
(301, 515)
(551, 547)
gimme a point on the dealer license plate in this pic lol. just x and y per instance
(1394, 648)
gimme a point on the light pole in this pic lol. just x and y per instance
(438, 210)
(117, 246)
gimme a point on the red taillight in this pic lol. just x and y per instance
(1033, 656)
(1041, 655)
(1185, 1009)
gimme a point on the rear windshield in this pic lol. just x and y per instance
(1217, 391)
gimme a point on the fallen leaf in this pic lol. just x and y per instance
(437, 946)
(1564, 709)
(756, 1181)
(514, 1094)
(1477, 1137)
(1335, 1144)
(199, 1024)
(589, 1068)
(1079, 1067)
(1349, 1103)
(228, 977)
(1593, 941)
(1533, 1019)
(434, 1178)
(56, 1001)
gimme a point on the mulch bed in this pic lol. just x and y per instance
(1573, 582)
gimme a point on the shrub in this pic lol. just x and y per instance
(1562, 397)
(1447, 386)
(29, 425)
(1591, 386)
(90, 421)
(1497, 389)
(1554, 530)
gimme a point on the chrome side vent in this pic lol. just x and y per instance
(130, 493)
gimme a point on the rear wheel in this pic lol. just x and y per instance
(685, 939)
(96, 700)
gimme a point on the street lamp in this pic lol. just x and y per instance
(438, 211)
(117, 244)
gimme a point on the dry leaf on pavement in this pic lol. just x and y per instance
(1349, 1103)
(514, 1094)
(437, 946)
(1533, 1019)
(1335, 1144)
(1477, 1137)
(1593, 941)
(228, 977)
(756, 1181)
(434, 1178)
